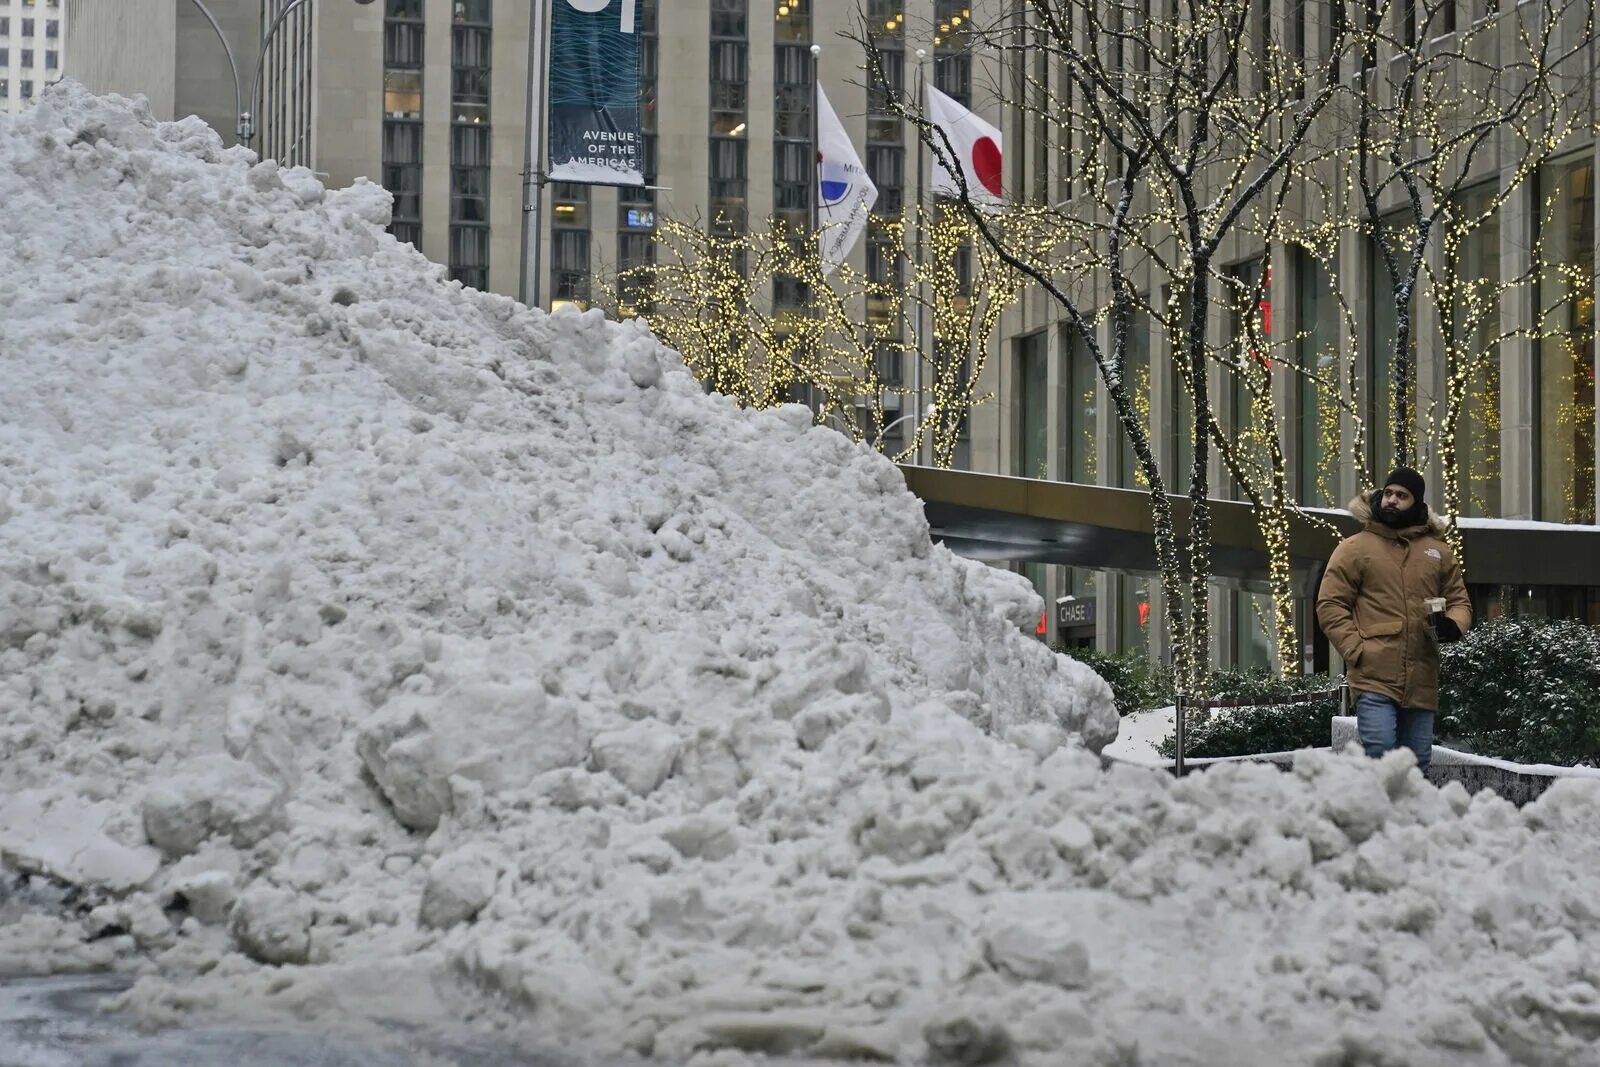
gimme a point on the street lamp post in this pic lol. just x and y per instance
(910, 417)
(244, 118)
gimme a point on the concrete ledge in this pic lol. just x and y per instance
(1516, 782)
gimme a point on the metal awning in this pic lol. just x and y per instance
(993, 517)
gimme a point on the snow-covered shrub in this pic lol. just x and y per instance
(1137, 683)
(1525, 690)
(1272, 728)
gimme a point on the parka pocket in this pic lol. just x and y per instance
(1386, 628)
(1382, 657)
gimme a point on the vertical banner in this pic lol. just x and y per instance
(594, 93)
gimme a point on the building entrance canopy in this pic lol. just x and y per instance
(996, 518)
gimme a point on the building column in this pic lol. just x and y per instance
(1352, 281)
(1519, 356)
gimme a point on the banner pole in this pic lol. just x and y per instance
(816, 145)
(533, 176)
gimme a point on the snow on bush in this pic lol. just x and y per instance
(375, 647)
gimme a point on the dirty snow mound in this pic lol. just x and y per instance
(392, 649)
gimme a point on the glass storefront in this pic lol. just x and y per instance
(1566, 360)
(1490, 602)
(1136, 617)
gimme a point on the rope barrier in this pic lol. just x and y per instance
(1257, 702)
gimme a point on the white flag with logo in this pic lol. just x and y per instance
(976, 146)
(845, 194)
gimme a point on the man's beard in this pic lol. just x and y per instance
(1401, 517)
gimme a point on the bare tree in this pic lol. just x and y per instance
(1188, 118)
(1445, 100)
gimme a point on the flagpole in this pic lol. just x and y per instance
(816, 146)
(916, 364)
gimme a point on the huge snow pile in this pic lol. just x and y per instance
(376, 648)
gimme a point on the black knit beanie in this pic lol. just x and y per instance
(1407, 479)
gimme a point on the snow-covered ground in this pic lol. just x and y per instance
(1139, 733)
(374, 646)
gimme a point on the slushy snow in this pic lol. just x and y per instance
(377, 648)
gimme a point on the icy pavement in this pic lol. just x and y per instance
(61, 1022)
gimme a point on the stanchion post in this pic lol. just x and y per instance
(1178, 732)
(1344, 696)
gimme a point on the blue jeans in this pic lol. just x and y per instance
(1384, 726)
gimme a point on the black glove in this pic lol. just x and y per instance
(1445, 628)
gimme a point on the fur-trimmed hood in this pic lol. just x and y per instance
(1361, 508)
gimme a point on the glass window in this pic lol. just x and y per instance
(472, 10)
(5, 88)
(1382, 336)
(569, 265)
(1029, 407)
(27, 89)
(469, 146)
(27, 57)
(1476, 315)
(27, 27)
(469, 194)
(1249, 320)
(1134, 629)
(402, 142)
(1079, 419)
(404, 182)
(403, 9)
(52, 60)
(1316, 419)
(471, 46)
(1566, 363)
(1136, 373)
(794, 20)
(52, 28)
(730, 18)
(402, 45)
(887, 81)
(5, 25)
(570, 206)
(402, 94)
(5, 57)
(1252, 644)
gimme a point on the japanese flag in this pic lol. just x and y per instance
(845, 194)
(977, 150)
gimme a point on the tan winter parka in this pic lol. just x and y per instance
(1371, 606)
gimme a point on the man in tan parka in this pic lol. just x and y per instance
(1374, 607)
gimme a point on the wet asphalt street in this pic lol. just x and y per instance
(57, 1022)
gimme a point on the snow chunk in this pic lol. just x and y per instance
(640, 756)
(459, 885)
(272, 925)
(68, 838)
(494, 735)
(209, 795)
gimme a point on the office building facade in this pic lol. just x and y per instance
(1527, 438)
(33, 35)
